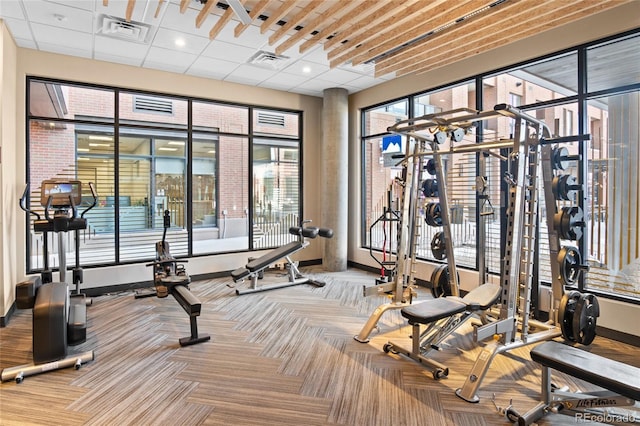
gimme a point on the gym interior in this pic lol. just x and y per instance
(439, 227)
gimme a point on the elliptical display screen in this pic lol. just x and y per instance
(61, 192)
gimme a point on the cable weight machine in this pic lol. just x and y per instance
(531, 160)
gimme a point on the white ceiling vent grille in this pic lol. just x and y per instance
(119, 28)
(268, 60)
(154, 105)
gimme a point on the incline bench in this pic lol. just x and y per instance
(621, 381)
(442, 316)
(255, 268)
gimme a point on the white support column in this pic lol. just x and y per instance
(335, 178)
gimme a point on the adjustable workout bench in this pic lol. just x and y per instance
(255, 268)
(621, 381)
(170, 277)
(442, 316)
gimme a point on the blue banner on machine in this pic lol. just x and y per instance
(393, 148)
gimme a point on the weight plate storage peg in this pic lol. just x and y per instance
(430, 188)
(566, 311)
(440, 284)
(569, 222)
(438, 246)
(433, 214)
(570, 262)
(584, 319)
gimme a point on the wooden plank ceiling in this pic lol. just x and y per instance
(398, 36)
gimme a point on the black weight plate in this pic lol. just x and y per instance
(440, 285)
(559, 158)
(433, 214)
(568, 222)
(430, 188)
(566, 311)
(431, 166)
(438, 246)
(570, 262)
(587, 311)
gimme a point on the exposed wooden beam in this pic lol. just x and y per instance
(347, 18)
(129, 13)
(568, 12)
(294, 21)
(184, 5)
(276, 16)
(204, 13)
(337, 7)
(430, 19)
(255, 12)
(503, 16)
(374, 19)
(226, 17)
(160, 2)
(405, 23)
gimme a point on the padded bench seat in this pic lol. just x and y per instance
(266, 260)
(480, 298)
(433, 310)
(612, 375)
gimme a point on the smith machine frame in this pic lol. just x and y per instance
(531, 158)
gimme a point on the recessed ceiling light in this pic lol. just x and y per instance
(180, 42)
(167, 149)
(306, 69)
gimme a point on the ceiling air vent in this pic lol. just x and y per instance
(154, 105)
(119, 28)
(268, 60)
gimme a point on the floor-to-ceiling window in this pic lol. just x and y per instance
(591, 92)
(147, 154)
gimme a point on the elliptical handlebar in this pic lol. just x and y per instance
(23, 200)
(95, 200)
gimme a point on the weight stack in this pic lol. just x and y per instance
(50, 323)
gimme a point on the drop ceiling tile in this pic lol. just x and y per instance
(78, 4)
(167, 39)
(250, 74)
(317, 55)
(58, 15)
(304, 67)
(19, 28)
(364, 81)
(27, 44)
(250, 37)
(317, 84)
(132, 60)
(211, 68)
(168, 60)
(108, 46)
(61, 40)
(228, 52)
(11, 9)
(286, 79)
(184, 22)
(339, 76)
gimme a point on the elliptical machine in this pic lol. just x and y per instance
(59, 318)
